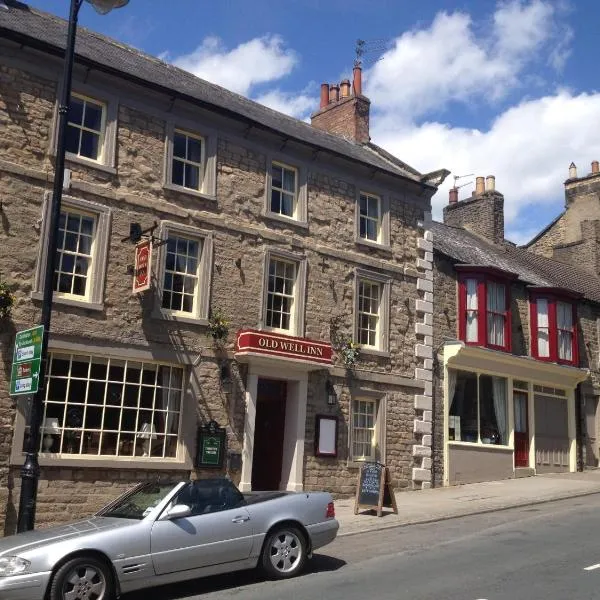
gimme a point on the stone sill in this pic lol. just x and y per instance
(72, 158)
(105, 462)
(287, 220)
(97, 306)
(376, 245)
(165, 315)
(189, 192)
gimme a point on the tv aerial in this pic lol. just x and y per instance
(457, 177)
(369, 47)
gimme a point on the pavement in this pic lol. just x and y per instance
(439, 504)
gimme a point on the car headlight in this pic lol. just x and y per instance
(12, 565)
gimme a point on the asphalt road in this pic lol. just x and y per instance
(545, 552)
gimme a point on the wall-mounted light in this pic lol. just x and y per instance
(331, 395)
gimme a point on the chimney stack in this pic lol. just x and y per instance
(479, 185)
(343, 110)
(324, 95)
(345, 88)
(572, 171)
(595, 167)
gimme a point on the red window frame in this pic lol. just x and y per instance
(553, 298)
(483, 278)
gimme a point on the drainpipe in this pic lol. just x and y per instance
(579, 428)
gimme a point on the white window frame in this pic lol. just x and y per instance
(208, 182)
(378, 450)
(382, 348)
(162, 356)
(107, 155)
(299, 216)
(101, 133)
(200, 165)
(94, 298)
(297, 316)
(383, 230)
(202, 294)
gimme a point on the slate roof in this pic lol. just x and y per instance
(467, 248)
(49, 32)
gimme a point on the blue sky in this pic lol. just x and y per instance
(477, 86)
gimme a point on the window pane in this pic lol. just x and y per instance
(177, 173)
(192, 177)
(363, 429)
(72, 139)
(289, 181)
(564, 314)
(368, 313)
(287, 205)
(194, 152)
(543, 338)
(462, 422)
(493, 414)
(565, 345)
(472, 317)
(179, 145)
(280, 295)
(89, 145)
(93, 116)
(75, 111)
(277, 177)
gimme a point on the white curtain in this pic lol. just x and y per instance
(499, 394)
(564, 315)
(453, 413)
(472, 310)
(542, 326)
(496, 303)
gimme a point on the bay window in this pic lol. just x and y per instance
(553, 328)
(484, 311)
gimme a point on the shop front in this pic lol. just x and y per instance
(506, 416)
(276, 402)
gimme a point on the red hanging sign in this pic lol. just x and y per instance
(142, 267)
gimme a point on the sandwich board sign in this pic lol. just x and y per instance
(374, 489)
(25, 373)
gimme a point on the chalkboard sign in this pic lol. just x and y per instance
(374, 489)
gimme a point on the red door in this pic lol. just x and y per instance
(521, 430)
(269, 432)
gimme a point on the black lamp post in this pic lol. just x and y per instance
(30, 471)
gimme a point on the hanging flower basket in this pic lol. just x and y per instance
(7, 300)
(342, 343)
(218, 325)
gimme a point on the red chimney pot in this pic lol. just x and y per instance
(357, 82)
(453, 196)
(324, 95)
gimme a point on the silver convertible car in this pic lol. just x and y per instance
(160, 533)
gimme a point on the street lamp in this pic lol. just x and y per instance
(30, 471)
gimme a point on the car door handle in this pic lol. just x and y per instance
(240, 519)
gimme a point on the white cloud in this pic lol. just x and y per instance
(528, 148)
(260, 60)
(456, 60)
(295, 105)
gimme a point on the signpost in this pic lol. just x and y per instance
(143, 264)
(25, 374)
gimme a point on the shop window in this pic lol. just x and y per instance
(97, 406)
(553, 329)
(478, 410)
(484, 312)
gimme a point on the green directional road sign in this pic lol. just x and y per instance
(25, 377)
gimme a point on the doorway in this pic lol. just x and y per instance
(521, 429)
(269, 432)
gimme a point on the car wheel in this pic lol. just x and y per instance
(284, 553)
(83, 578)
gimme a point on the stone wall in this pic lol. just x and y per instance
(134, 192)
(482, 214)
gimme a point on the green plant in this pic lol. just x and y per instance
(7, 300)
(342, 343)
(218, 325)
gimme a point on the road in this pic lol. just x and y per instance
(544, 552)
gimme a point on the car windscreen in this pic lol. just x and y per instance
(138, 503)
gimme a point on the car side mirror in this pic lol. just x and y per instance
(179, 511)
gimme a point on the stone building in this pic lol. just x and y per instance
(516, 350)
(296, 236)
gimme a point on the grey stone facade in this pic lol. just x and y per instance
(132, 188)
